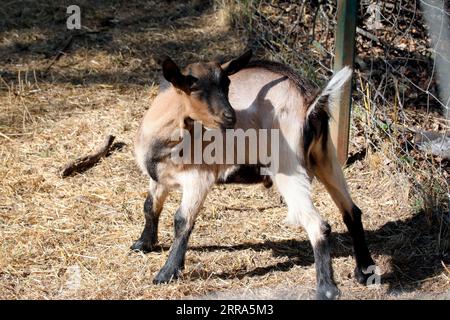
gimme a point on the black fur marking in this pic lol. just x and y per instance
(316, 127)
(152, 168)
(237, 64)
(225, 84)
(149, 236)
(158, 152)
(148, 205)
(172, 73)
(326, 287)
(179, 223)
(326, 229)
(214, 93)
(163, 84)
(362, 255)
(245, 174)
(175, 261)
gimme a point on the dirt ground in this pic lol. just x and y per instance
(70, 238)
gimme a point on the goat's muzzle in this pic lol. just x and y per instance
(228, 119)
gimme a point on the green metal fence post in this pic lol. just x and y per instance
(344, 56)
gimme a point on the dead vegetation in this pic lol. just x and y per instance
(70, 238)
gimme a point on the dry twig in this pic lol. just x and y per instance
(86, 162)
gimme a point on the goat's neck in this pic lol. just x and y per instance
(171, 109)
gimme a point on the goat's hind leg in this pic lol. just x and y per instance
(152, 208)
(296, 191)
(329, 172)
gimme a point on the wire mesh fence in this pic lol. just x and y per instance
(402, 78)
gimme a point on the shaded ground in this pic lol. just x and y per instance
(70, 238)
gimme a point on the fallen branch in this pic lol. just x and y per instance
(60, 53)
(66, 47)
(82, 164)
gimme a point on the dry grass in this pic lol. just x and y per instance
(52, 228)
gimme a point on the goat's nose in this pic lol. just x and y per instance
(229, 119)
(229, 115)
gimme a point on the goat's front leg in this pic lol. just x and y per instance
(152, 208)
(195, 187)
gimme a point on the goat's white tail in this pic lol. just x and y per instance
(317, 117)
(331, 90)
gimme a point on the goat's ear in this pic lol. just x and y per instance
(173, 74)
(237, 64)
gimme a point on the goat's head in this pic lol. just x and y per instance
(206, 87)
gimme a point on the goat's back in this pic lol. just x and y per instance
(265, 90)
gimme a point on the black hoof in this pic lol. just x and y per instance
(362, 275)
(165, 276)
(327, 292)
(143, 246)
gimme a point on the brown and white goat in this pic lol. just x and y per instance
(246, 95)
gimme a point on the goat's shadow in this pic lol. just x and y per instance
(412, 245)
